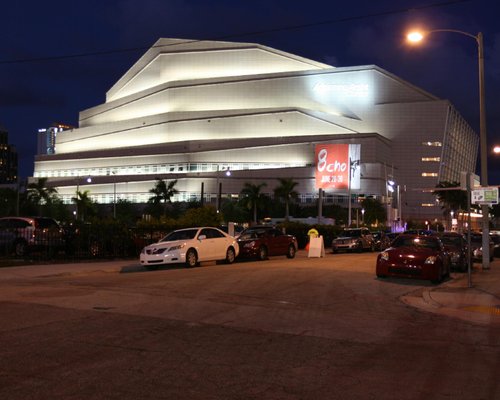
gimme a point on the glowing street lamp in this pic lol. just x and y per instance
(496, 149)
(415, 37)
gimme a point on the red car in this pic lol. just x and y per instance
(414, 256)
(263, 241)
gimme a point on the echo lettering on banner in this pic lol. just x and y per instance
(336, 164)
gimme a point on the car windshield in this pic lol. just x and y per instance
(186, 234)
(418, 242)
(252, 234)
(351, 233)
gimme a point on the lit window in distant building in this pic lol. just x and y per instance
(428, 205)
(434, 144)
(429, 174)
(431, 159)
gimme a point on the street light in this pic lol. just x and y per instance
(415, 37)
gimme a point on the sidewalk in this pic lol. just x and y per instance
(478, 304)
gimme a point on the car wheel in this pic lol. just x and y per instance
(230, 255)
(191, 258)
(20, 248)
(291, 251)
(262, 255)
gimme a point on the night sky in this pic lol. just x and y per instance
(59, 57)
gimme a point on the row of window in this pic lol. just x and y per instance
(162, 169)
(109, 198)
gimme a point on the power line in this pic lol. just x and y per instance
(238, 35)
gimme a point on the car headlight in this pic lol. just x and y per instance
(384, 255)
(178, 247)
(430, 260)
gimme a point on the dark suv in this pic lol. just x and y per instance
(20, 235)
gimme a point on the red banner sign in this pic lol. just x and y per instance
(332, 166)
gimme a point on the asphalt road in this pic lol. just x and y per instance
(307, 328)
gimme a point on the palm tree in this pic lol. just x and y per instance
(252, 198)
(286, 191)
(39, 194)
(163, 193)
(84, 204)
(451, 199)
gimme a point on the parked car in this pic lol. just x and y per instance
(191, 246)
(456, 245)
(381, 240)
(476, 243)
(263, 241)
(21, 235)
(495, 238)
(353, 239)
(426, 232)
(414, 256)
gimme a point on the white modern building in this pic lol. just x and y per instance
(189, 110)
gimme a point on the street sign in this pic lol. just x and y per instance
(485, 195)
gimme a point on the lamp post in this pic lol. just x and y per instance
(88, 180)
(219, 187)
(417, 37)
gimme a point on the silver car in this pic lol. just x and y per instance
(354, 239)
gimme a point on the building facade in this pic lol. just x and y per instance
(189, 110)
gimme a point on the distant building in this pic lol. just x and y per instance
(46, 143)
(8, 159)
(189, 110)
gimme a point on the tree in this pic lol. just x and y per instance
(84, 205)
(451, 200)
(163, 193)
(8, 202)
(374, 211)
(39, 194)
(286, 191)
(252, 198)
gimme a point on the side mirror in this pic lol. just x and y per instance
(202, 237)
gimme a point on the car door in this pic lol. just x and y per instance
(205, 245)
(278, 242)
(219, 244)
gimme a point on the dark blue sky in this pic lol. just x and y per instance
(33, 94)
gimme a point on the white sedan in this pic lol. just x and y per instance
(191, 246)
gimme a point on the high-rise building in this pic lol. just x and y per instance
(189, 110)
(8, 159)
(46, 143)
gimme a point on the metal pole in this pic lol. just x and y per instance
(217, 200)
(114, 200)
(349, 220)
(320, 205)
(469, 222)
(483, 151)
